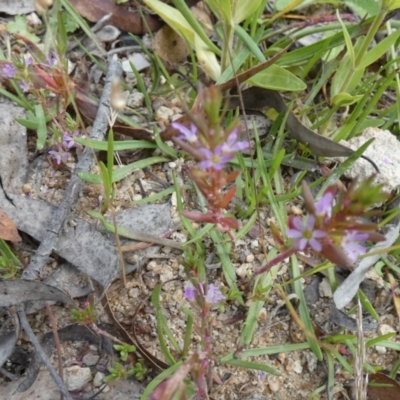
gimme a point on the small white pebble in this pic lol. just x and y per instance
(250, 258)
(296, 210)
(380, 349)
(27, 188)
(274, 383)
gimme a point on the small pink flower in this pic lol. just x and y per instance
(350, 246)
(190, 135)
(232, 145)
(323, 207)
(214, 159)
(9, 71)
(213, 295)
(305, 234)
(69, 141)
(60, 155)
(25, 86)
(189, 292)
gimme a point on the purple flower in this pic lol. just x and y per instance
(190, 135)
(232, 145)
(213, 295)
(189, 292)
(51, 59)
(25, 86)
(306, 234)
(215, 160)
(60, 155)
(69, 141)
(323, 206)
(9, 71)
(350, 246)
(28, 61)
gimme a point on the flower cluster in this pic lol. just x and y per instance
(214, 158)
(213, 147)
(332, 228)
(62, 154)
(212, 296)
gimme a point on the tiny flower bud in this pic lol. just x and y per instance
(118, 99)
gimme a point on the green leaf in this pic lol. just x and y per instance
(345, 99)
(252, 365)
(222, 9)
(177, 21)
(378, 50)
(20, 25)
(243, 9)
(124, 171)
(118, 145)
(277, 78)
(291, 4)
(41, 128)
(362, 7)
(346, 77)
(347, 39)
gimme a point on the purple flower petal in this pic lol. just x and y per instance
(214, 159)
(213, 295)
(294, 233)
(9, 71)
(189, 135)
(324, 205)
(298, 224)
(189, 292)
(350, 246)
(315, 245)
(231, 144)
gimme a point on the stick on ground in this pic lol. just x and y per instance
(75, 185)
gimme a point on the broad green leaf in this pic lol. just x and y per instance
(347, 39)
(243, 9)
(291, 4)
(41, 128)
(391, 4)
(207, 59)
(20, 25)
(379, 50)
(173, 18)
(222, 9)
(345, 99)
(177, 21)
(346, 77)
(362, 7)
(277, 78)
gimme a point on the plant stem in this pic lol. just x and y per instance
(279, 258)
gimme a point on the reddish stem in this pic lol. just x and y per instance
(279, 258)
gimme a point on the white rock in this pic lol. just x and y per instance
(98, 379)
(164, 114)
(380, 349)
(250, 258)
(76, 377)
(384, 329)
(324, 289)
(384, 151)
(90, 359)
(274, 383)
(138, 61)
(297, 367)
(135, 100)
